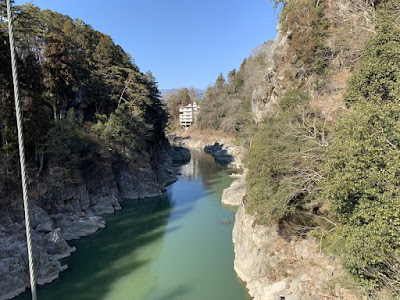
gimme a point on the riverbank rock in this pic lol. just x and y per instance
(199, 139)
(180, 154)
(74, 226)
(220, 154)
(234, 194)
(274, 268)
(48, 249)
(62, 210)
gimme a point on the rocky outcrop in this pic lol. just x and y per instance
(137, 183)
(234, 194)
(180, 154)
(222, 148)
(69, 209)
(274, 268)
(267, 92)
(220, 154)
(48, 245)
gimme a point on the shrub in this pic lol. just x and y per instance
(308, 26)
(362, 170)
(293, 99)
(363, 185)
(284, 162)
(379, 77)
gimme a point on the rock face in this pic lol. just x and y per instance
(274, 268)
(267, 92)
(220, 154)
(49, 248)
(234, 194)
(222, 146)
(65, 210)
(180, 154)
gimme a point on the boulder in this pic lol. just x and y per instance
(220, 154)
(234, 194)
(179, 154)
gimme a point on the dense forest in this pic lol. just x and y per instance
(324, 159)
(84, 100)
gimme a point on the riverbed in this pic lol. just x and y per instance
(177, 246)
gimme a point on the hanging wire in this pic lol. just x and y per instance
(21, 149)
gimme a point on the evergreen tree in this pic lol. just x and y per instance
(59, 74)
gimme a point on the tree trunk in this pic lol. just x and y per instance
(1, 130)
(64, 105)
(41, 162)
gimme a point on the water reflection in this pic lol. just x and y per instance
(203, 165)
(170, 247)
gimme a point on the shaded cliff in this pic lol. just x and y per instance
(63, 210)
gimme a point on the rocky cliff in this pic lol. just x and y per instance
(284, 69)
(275, 268)
(222, 147)
(69, 209)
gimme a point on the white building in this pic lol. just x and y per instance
(187, 114)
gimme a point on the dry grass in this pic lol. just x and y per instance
(207, 136)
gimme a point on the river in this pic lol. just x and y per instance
(171, 247)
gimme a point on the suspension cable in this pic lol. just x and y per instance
(21, 149)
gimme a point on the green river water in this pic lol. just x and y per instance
(170, 247)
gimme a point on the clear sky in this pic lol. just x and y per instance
(182, 42)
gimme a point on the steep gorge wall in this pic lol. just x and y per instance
(63, 210)
(350, 26)
(275, 267)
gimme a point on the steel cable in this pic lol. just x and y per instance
(21, 150)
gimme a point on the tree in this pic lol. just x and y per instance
(59, 74)
(67, 66)
(5, 75)
(220, 81)
(231, 75)
(36, 112)
(28, 30)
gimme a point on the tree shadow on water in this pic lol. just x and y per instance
(179, 293)
(111, 253)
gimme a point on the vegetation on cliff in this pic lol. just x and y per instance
(324, 160)
(362, 162)
(84, 99)
(284, 160)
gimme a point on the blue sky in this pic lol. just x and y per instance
(183, 42)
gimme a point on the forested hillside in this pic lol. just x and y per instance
(226, 104)
(84, 100)
(319, 111)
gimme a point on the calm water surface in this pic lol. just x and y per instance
(169, 247)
